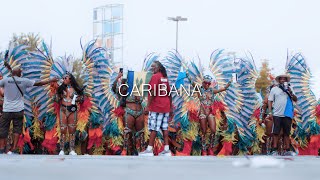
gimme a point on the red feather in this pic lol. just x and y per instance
(85, 105)
(256, 114)
(51, 144)
(186, 149)
(20, 143)
(123, 152)
(25, 138)
(108, 152)
(114, 149)
(56, 108)
(193, 116)
(318, 111)
(119, 112)
(313, 146)
(217, 106)
(226, 149)
(157, 149)
(95, 138)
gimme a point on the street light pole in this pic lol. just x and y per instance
(177, 19)
(177, 30)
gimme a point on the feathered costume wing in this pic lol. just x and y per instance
(250, 111)
(229, 101)
(148, 60)
(108, 103)
(89, 115)
(307, 105)
(185, 107)
(173, 63)
(94, 61)
(51, 109)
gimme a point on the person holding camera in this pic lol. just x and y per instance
(133, 117)
(13, 105)
(280, 104)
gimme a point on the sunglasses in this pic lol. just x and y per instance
(207, 83)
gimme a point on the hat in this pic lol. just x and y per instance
(283, 75)
(207, 78)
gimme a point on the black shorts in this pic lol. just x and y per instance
(281, 123)
(5, 120)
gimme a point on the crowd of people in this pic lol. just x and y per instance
(44, 110)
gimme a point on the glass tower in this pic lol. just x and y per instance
(108, 30)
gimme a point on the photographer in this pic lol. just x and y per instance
(13, 105)
(280, 103)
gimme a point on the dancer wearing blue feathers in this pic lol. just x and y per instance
(133, 116)
(206, 115)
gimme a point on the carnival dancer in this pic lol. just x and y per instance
(67, 111)
(1, 97)
(223, 104)
(115, 107)
(14, 88)
(1, 109)
(206, 115)
(266, 119)
(159, 108)
(280, 103)
(133, 116)
(69, 96)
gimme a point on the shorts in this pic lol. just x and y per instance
(5, 120)
(281, 123)
(157, 121)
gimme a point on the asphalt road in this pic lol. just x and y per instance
(152, 168)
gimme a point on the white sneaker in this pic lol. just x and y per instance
(165, 153)
(61, 153)
(275, 153)
(146, 153)
(72, 153)
(10, 153)
(289, 153)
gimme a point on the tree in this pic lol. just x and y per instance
(263, 80)
(77, 71)
(30, 39)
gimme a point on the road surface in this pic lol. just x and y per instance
(32, 167)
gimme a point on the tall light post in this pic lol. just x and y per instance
(177, 19)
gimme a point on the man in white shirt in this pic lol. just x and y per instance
(13, 105)
(280, 104)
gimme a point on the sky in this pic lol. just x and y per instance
(266, 28)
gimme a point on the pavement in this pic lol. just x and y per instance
(46, 167)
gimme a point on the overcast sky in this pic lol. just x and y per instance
(267, 28)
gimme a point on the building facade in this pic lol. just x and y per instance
(108, 30)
